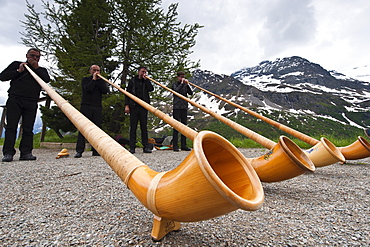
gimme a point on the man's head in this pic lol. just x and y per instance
(33, 55)
(142, 72)
(180, 75)
(94, 68)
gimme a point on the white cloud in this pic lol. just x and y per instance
(11, 14)
(331, 33)
(288, 23)
(242, 33)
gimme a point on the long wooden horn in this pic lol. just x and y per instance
(285, 159)
(213, 180)
(323, 153)
(360, 149)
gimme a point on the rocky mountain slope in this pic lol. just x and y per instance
(290, 90)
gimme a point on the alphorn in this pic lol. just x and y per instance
(323, 152)
(284, 160)
(213, 180)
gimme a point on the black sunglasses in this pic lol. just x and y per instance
(34, 55)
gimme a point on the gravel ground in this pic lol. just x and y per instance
(69, 202)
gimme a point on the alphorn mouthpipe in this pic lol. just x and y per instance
(213, 180)
(285, 159)
(322, 154)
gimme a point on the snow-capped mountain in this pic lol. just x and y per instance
(289, 86)
(296, 74)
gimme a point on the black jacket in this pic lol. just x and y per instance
(183, 89)
(23, 85)
(140, 88)
(92, 91)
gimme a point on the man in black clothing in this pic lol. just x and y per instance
(139, 86)
(180, 108)
(23, 94)
(93, 87)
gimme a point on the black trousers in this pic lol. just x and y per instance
(138, 114)
(94, 114)
(182, 116)
(17, 108)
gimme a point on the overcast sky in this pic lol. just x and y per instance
(242, 33)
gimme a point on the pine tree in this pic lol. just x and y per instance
(118, 35)
(80, 37)
(149, 36)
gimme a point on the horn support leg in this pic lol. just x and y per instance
(162, 226)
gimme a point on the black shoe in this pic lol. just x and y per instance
(95, 154)
(7, 158)
(27, 157)
(132, 150)
(176, 149)
(185, 149)
(78, 155)
(148, 151)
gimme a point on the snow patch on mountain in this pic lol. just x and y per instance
(361, 73)
(210, 102)
(351, 122)
(268, 83)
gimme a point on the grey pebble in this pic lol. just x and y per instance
(82, 202)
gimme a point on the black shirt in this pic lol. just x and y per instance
(23, 84)
(92, 91)
(140, 88)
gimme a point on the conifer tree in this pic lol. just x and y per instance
(77, 36)
(118, 35)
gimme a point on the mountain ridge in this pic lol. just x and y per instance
(291, 86)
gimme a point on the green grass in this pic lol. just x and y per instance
(51, 136)
(338, 142)
(245, 143)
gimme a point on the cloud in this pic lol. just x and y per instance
(242, 33)
(287, 23)
(228, 35)
(12, 12)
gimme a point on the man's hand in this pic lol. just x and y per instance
(21, 67)
(33, 63)
(127, 109)
(95, 76)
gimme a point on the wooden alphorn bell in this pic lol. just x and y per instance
(213, 180)
(283, 161)
(358, 150)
